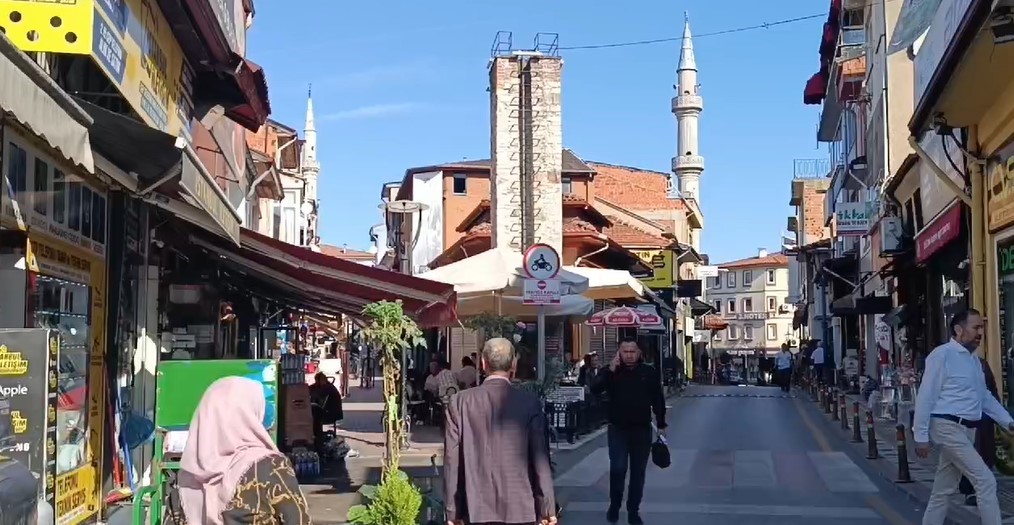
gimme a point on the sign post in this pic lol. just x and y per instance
(541, 264)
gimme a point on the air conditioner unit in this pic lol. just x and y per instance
(783, 309)
(792, 341)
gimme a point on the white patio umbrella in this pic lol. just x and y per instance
(499, 271)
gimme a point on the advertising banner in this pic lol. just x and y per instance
(660, 262)
(28, 362)
(130, 40)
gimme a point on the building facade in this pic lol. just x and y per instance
(752, 296)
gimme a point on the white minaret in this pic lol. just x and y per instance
(310, 168)
(688, 164)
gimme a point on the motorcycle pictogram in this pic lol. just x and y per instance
(541, 264)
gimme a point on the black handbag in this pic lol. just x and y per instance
(660, 453)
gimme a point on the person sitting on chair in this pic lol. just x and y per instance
(326, 406)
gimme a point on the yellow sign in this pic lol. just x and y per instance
(74, 501)
(78, 492)
(130, 40)
(11, 363)
(660, 262)
(1000, 193)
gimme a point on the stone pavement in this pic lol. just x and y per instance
(743, 455)
(922, 470)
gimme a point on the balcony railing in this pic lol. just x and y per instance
(687, 102)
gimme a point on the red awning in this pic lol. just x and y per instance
(329, 284)
(252, 83)
(816, 89)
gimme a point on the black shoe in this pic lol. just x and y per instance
(613, 514)
(633, 518)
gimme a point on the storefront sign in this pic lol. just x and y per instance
(851, 218)
(130, 40)
(232, 20)
(566, 394)
(749, 316)
(28, 362)
(660, 262)
(51, 260)
(1000, 192)
(934, 45)
(538, 291)
(197, 185)
(944, 229)
(73, 496)
(52, 199)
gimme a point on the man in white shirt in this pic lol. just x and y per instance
(783, 368)
(817, 356)
(952, 398)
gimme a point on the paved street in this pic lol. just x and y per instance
(744, 455)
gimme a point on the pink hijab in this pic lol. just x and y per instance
(227, 436)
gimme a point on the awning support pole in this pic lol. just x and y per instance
(171, 173)
(260, 178)
(923, 156)
(842, 279)
(541, 323)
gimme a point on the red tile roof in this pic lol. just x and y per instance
(774, 259)
(630, 236)
(343, 252)
(633, 188)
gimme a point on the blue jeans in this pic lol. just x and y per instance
(628, 447)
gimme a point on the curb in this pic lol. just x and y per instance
(910, 490)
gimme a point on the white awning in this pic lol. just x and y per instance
(497, 270)
(569, 306)
(609, 284)
(35, 101)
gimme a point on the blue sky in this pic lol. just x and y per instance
(402, 84)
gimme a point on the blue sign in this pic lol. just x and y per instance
(107, 47)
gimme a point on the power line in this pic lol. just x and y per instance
(765, 25)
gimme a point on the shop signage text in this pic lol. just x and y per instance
(851, 218)
(1005, 258)
(73, 491)
(130, 40)
(944, 229)
(660, 262)
(749, 316)
(1000, 192)
(537, 291)
(194, 183)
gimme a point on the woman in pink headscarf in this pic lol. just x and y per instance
(231, 471)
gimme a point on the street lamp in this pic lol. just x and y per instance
(401, 208)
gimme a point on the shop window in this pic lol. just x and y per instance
(59, 197)
(772, 304)
(86, 211)
(74, 206)
(748, 333)
(17, 169)
(64, 306)
(98, 218)
(772, 332)
(40, 202)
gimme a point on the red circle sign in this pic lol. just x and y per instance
(541, 261)
(542, 285)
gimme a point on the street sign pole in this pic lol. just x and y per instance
(541, 262)
(541, 323)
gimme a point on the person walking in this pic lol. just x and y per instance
(985, 437)
(952, 399)
(496, 450)
(231, 471)
(634, 393)
(783, 368)
(817, 358)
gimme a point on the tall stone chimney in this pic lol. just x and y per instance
(526, 147)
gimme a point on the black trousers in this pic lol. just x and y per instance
(629, 449)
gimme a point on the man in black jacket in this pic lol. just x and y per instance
(634, 393)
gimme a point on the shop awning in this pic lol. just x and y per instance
(330, 284)
(34, 100)
(169, 173)
(699, 307)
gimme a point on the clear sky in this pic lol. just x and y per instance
(403, 84)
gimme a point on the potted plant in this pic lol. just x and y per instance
(395, 501)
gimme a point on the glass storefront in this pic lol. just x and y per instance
(64, 306)
(1005, 284)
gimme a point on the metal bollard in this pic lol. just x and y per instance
(843, 408)
(904, 475)
(857, 436)
(872, 452)
(832, 405)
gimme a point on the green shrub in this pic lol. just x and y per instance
(396, 501)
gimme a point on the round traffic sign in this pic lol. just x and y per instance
(541, 261)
